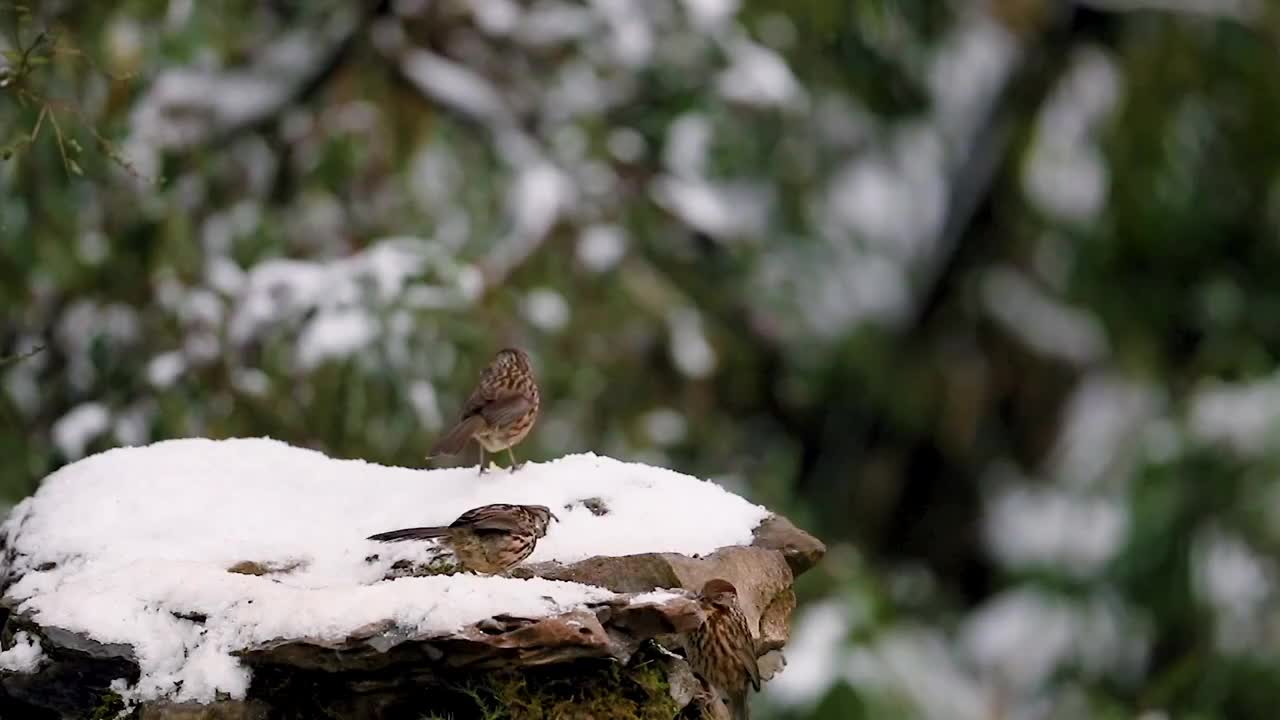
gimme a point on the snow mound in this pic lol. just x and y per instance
(132, 546)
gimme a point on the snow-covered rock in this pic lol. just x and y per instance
(193, 562)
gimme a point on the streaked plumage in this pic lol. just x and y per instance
(722, 651)
(489, 539)
(500, 411)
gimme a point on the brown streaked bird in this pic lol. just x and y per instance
(499, 413)
(489, 539)
(722, 651)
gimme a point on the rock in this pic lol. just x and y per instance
(266, 567)
(72, 679)
(217, 710)
(801, 550)
(763, 573)
(762, 577)
(592, 655)
(380, 664)
(613, 630)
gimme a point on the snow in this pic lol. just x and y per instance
(497, 17)
(92, 247)
(1236, 582)
(335, 334)
(1022, 637)
(454, 85)
(1041, 527)
(1246, 11)
(549, 24)
(758, 76)
(537, 197)
(600, 247)
(178, 513)
(967, 71)
(691, 351)
(426, 404)
(339, 291)
(189, 105)
(75, 430)
(165, 369)
(24, 656)
(1104, 416)
(687, 144)
(707, 15)
(185, 106)
(665, 426)
(895, 202)
(717, 209)
(918, 664)
(545, 309)
(1066, 173)
(1049, 327)
(1240, 416)
(626, 145)
(631, 32)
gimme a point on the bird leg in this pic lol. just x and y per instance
(514, 465)
(482, 467)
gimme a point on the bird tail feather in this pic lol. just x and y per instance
(418, 533)
(738, 706)
(452, 442)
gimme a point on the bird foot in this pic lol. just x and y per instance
(516, 467)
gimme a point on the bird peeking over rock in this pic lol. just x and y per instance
(721, 651)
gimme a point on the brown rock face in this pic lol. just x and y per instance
(800, 549)
(762, 577)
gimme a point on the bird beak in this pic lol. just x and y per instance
(553, 516)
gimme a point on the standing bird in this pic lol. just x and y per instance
(721, 650)
(490, 539)
(499, 412)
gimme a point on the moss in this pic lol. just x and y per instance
(596, 689)
(113, 707)
(582, 690)
(442, 564)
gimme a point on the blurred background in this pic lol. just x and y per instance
(981, 293)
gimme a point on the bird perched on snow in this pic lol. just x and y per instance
(721, 651)
(490, 539)
(500, 411)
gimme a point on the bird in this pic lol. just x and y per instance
(499, 413)
(487, 540)
(721, 651)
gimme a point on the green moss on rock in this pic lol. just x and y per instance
(579, 690)
(113, 707)
(596, 689)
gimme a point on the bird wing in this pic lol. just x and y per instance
(492, 518)
(745, 649)
(488, 390)
(506, 410)
(476, 401)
